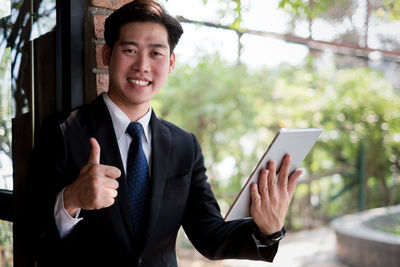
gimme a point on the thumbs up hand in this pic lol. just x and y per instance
(96, 186)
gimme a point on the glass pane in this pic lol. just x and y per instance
(6, 170)
(15, 33)
(6, 244)
(5, 8)
(46, 17)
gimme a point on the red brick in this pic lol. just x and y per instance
(99, 60)
(101, 83)
(99, 25)
(111, 4)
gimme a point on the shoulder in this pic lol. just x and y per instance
(88, 112)
(182, 146)
(181, 140)
(175, 131)
(79, 120)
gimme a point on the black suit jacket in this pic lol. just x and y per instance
(179, 196)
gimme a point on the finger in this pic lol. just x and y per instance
(111, 183)
(284, 172)
(263, 183)
(111, 171)
(111, 193)
(293, 181)
(94, 157)
(107, 202)
(109, 198)
(255, 197)
(271, 176)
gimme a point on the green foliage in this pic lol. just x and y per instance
(305, 8)
(390, 10)
(5, 233)
(237, 11)
(6, 243)
(5, 102)
(235, 112)
(313, 9)
(232, 9)
(214, 101)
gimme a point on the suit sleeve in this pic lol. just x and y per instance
(207, 230)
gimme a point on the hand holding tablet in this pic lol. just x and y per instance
(295, 142)
(271, 196)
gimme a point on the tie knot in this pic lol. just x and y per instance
(135, 129)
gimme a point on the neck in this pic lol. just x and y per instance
(133, 111)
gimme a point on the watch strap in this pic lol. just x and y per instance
(263, 240)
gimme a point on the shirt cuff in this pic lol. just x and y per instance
(65, 222)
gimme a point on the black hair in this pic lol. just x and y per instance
(141, 11)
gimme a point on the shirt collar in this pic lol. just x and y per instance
(121, 121)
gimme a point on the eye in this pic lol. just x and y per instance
(157, 53)
(130, 51)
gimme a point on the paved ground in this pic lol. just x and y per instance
(314, 248)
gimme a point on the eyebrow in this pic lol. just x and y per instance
(155, 45)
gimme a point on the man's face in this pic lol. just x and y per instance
(139, 64)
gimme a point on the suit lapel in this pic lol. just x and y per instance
(161, 149)
(103, 130)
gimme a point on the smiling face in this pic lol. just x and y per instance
(138, 66)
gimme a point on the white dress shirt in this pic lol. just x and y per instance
(65, 223)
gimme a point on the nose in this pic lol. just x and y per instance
(141, 63)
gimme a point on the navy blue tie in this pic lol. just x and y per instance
(137, 174)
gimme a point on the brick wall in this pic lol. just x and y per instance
(96, 74)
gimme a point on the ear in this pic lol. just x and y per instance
(171, 63)
(106, 54)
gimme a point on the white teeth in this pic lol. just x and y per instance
(138, 82)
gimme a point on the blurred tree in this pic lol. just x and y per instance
(5, 104)
(354, 106)
(235, 112)
(215, 101)
(5, 233)
(390, 9)
(310, 9)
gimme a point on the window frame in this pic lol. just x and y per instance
(69, 66)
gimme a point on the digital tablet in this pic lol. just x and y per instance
(296, 142)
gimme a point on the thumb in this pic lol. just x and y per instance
(94, 157)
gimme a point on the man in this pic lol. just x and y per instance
(88, 210)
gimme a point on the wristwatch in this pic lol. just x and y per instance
(263, 240)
